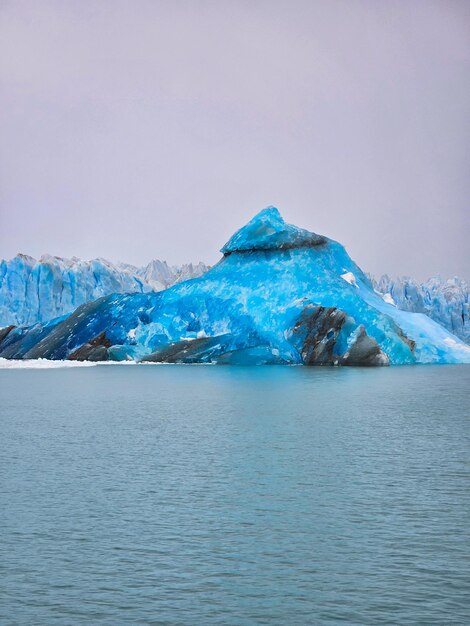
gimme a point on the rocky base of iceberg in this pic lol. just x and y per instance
(320, 336)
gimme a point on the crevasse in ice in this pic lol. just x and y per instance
(278, 295)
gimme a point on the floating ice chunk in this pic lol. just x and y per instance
(41, 364)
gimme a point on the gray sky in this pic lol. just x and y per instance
(139, 129)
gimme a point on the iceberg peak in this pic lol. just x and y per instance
(268, 231)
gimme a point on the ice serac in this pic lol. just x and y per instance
(279, 295)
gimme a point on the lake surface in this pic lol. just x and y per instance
(187, 495)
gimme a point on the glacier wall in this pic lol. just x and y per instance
(447, 302)
(34, 291)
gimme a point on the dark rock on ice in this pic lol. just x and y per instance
(94, 350)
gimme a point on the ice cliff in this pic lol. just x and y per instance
(278, 295)
(38, 291)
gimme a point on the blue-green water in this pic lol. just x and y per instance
(214, 495)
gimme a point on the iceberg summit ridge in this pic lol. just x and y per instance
(279, 295)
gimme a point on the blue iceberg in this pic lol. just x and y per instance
(279, 295)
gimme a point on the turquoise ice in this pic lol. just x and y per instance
(278, 295)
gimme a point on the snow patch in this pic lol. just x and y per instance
(387, 297)
(350, 278)
(455, 344)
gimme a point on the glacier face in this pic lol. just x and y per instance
(447, 302)
(276, 296)
(39, 290)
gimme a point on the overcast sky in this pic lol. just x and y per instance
(153, 129)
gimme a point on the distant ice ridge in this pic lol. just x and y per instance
(34, 291)
(159, 275)
(445, 301)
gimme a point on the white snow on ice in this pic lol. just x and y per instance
(350, 278)
(387, 297)
(455, 344)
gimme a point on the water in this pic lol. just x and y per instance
(214, 495)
